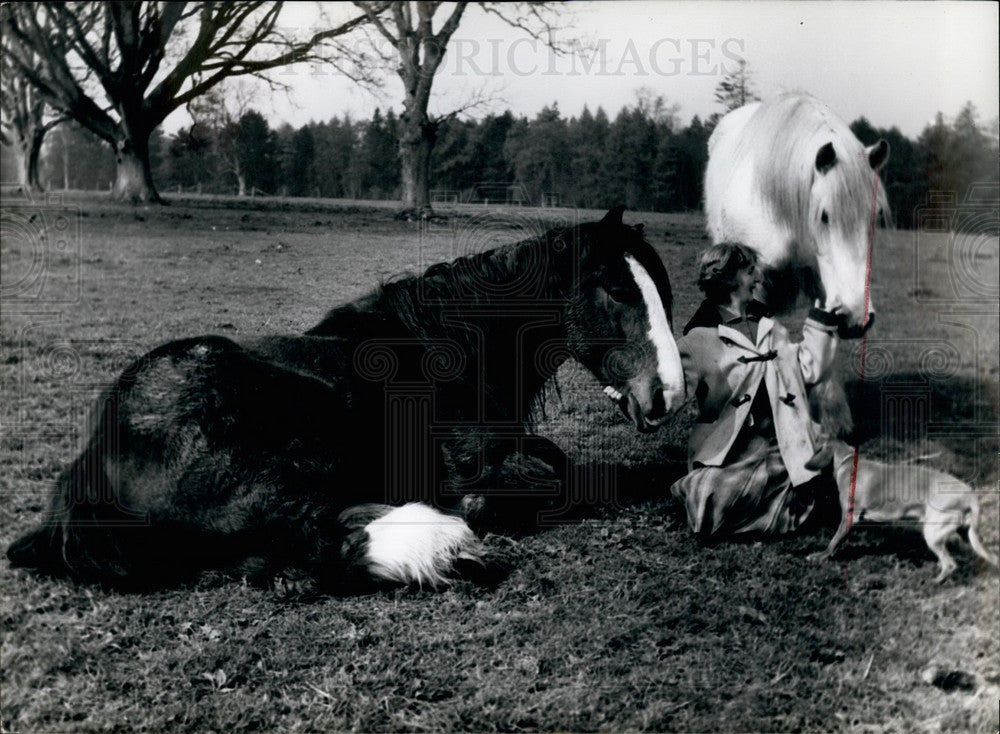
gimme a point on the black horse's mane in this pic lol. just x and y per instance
(435, 308)
(529, 272)
(456, 304)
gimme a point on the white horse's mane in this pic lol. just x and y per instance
(782, 139)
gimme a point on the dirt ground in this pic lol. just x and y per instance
(621, 621)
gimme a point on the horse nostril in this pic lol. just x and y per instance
(847, 331)
(659, 406)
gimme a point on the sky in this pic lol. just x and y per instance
(896, 63)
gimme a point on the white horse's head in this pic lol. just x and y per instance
(846, 202)
(788, 178)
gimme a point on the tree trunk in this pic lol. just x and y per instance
(241, 182)
(26, 155)
(65, 162)
(21, 164)
(133, 178)
(34, 154)
(415, 146)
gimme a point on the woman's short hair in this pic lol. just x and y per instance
(718, 266)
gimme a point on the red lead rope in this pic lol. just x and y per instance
(864, 339)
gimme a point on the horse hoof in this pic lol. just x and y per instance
(817, 557)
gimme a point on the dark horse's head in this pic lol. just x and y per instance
(619, 321)
(596, 292)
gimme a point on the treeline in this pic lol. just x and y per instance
(642, 158)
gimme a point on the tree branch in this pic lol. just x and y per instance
(537, 20)
(373, 12)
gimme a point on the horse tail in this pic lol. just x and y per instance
(975, 541)
(414, 544)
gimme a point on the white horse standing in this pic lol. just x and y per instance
(788, 178)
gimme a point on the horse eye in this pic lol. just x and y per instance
(623, 294)
(824, 218)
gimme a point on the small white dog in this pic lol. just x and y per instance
(889, 492)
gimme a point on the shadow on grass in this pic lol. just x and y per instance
(595, 490)
(905, 544)
(906, 405)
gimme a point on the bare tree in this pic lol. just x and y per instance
(219, 111)
(655, 107)
(24, 120)
(736, 88)
(409, 28)
(145, 60)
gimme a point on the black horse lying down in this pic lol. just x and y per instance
(270, 453)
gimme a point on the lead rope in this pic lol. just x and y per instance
(864, 347)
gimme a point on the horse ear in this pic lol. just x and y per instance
(614, 217)
(878, 154)
(826, 158)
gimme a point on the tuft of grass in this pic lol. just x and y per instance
(621, 620)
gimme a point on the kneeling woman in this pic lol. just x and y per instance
(747, 452)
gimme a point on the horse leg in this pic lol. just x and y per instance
(505, 483)
(370, 546)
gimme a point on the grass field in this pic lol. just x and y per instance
(621, 621)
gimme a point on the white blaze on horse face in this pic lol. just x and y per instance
(841, 255)
(668, 358)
